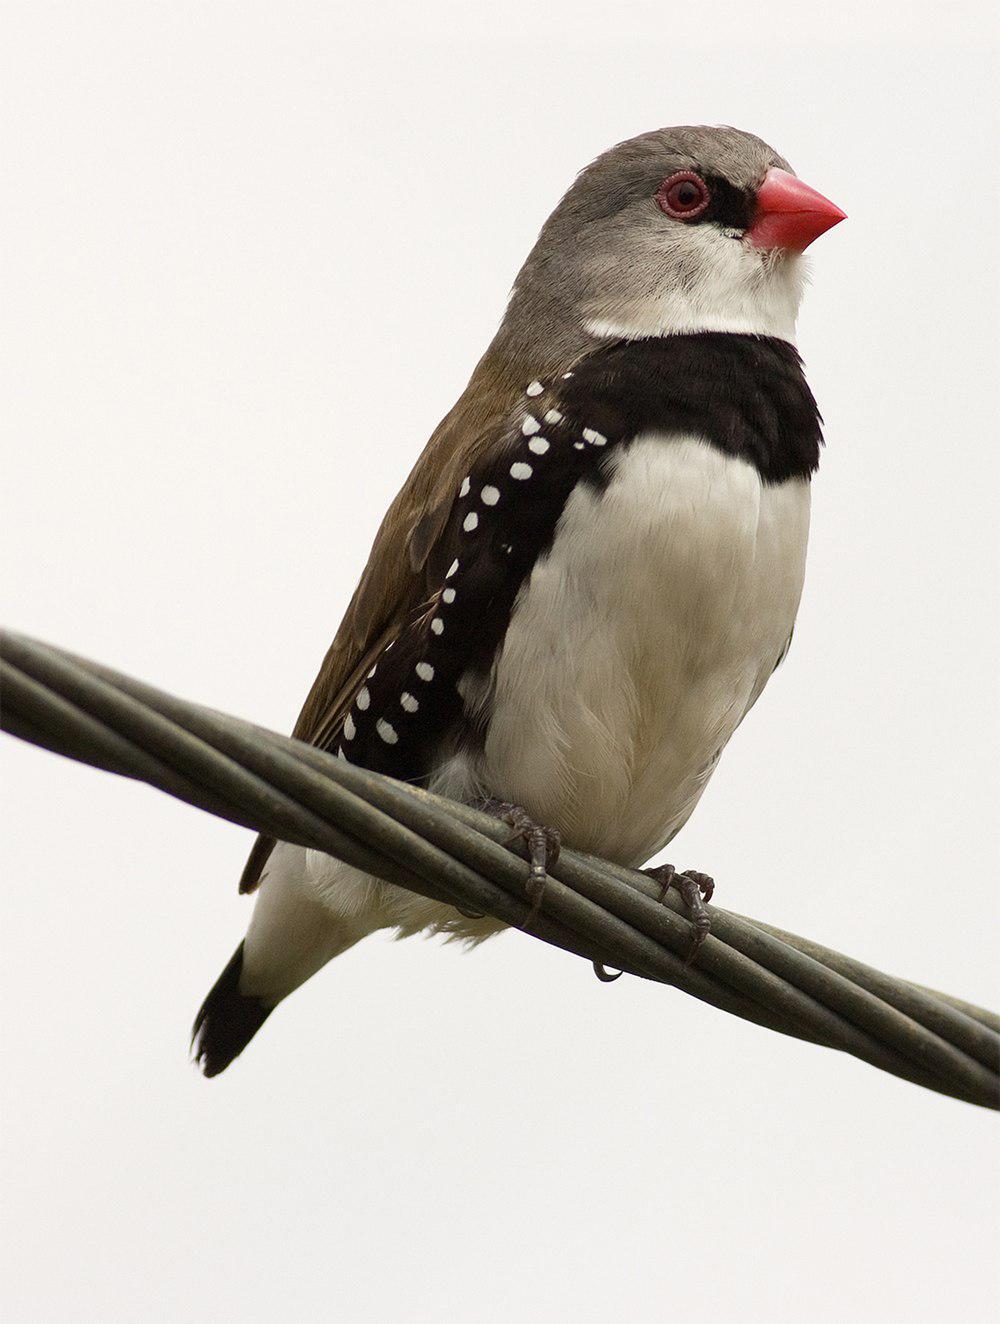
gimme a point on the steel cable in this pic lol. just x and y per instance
(453, 853)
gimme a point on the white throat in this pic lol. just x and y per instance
(735, 290)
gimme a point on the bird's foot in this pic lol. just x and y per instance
(695, 889)
(542, 844)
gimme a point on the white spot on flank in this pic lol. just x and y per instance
(364, 698)
(408, 702)
(451, 569)
(340, 753)
(578, 445)
(470, 522)
(437, 625)
(386, 731)
(536, 388)
(595, 438)
(566, 376)
(464, 489)
(553, 416)
(448, 595)
(490, 495)
(424, 670)
(538, 445)
(373, 670)
(350, 730)
(521, 471)
(530, 425)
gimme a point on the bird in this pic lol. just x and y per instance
(595, 565)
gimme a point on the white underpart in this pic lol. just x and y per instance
(640, 641)
(293, 932)
(731, 287)
(634, 651)
(310, 907)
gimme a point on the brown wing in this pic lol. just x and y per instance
(392, 584)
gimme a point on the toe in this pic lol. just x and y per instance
(704, 883)
(664, 874)
(702, 927)
(553, 845)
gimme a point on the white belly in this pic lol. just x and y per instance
(639, 643)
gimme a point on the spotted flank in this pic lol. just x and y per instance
(507, 508)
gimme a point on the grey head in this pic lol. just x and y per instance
(652, 239)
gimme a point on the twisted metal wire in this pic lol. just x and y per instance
(450, 852)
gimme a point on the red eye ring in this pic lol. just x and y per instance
(683, 196)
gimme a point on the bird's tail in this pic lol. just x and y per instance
(227, 1020)
(292, 934)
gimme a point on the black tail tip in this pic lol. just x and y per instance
(226, 1021)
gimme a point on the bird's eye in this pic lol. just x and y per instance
(683, 196)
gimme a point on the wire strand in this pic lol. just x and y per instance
(450, 852)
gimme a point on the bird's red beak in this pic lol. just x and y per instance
(790, 214)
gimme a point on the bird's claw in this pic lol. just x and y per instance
(695, 890)
(542, 844)
(605, 975)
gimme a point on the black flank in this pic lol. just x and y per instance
(745, 395)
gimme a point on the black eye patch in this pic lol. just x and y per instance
(730, 208)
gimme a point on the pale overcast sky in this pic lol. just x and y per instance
(252, 253)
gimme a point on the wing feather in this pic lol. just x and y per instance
(393, 582)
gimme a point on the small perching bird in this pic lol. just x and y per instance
(595, 565)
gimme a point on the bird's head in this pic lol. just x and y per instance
(679, 230)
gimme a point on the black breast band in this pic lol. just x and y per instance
(744, 395)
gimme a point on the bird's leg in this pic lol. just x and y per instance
(542, 844)
(695, 889)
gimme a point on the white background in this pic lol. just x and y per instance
(252, 252)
